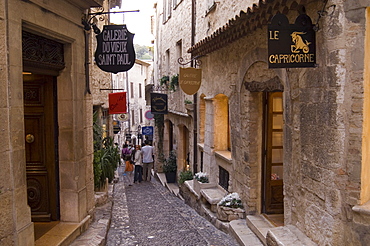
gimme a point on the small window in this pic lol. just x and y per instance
(178, 50)
(211, 6)
(140, 94)
(168, 61)
(167, 6)
(223, 178)
(176, 3)
(132, 90)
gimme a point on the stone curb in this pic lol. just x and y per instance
(96, 234)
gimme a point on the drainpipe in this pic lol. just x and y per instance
(195, 96)
(128, 103)
(87, 62)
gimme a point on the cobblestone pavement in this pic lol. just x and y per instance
(148, 214)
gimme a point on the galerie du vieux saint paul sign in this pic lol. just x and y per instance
(115, 49)
(291, 45)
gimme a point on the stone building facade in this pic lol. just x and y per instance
(289, 141)
(172, 38)
(46, 110)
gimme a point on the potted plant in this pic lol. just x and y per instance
(201, 181)
(185, 175)
(189, 104)
(106, 157)
(230, 208)
(170, 167)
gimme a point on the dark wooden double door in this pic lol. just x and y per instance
(41, 146)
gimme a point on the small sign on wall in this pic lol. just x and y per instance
(291, 45)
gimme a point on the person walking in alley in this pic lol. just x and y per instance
(148, 160)
(129, 167)
(138, 173)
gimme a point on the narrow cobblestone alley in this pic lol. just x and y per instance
(148, 214)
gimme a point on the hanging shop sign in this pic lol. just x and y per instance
(147, 130)
(158, 103)
(190, 80)
(117, 103)
(116, 126)
(115, 49)
(291, 45)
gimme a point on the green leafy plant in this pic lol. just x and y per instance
(174, 83)
(185, 175)
(106, 156)
(170, 163)
(164, 80)
(187, 101)
(201, 177)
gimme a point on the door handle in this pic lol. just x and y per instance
(30, 138)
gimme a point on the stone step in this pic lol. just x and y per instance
(63, 234)
(243, 234)
(212, 196)
(288, 236)
(259, 226)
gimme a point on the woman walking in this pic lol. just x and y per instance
(138, 174)
(129, 167)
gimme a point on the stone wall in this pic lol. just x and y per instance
(59, 21)
(323, 117)
(323, 124)
(172, 41)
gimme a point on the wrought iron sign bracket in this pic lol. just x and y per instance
(197, 62)
(91, 22)
(323, 13)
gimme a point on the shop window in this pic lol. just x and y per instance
(202, 118)
(221, 123)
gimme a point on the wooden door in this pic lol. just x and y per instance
(40, 137)
(273, 154)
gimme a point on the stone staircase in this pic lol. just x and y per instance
(255, 230)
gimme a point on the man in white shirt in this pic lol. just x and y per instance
(148, 160)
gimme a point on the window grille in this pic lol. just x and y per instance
(223, 178)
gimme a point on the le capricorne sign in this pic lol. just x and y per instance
(115, 49)
(291, 45)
